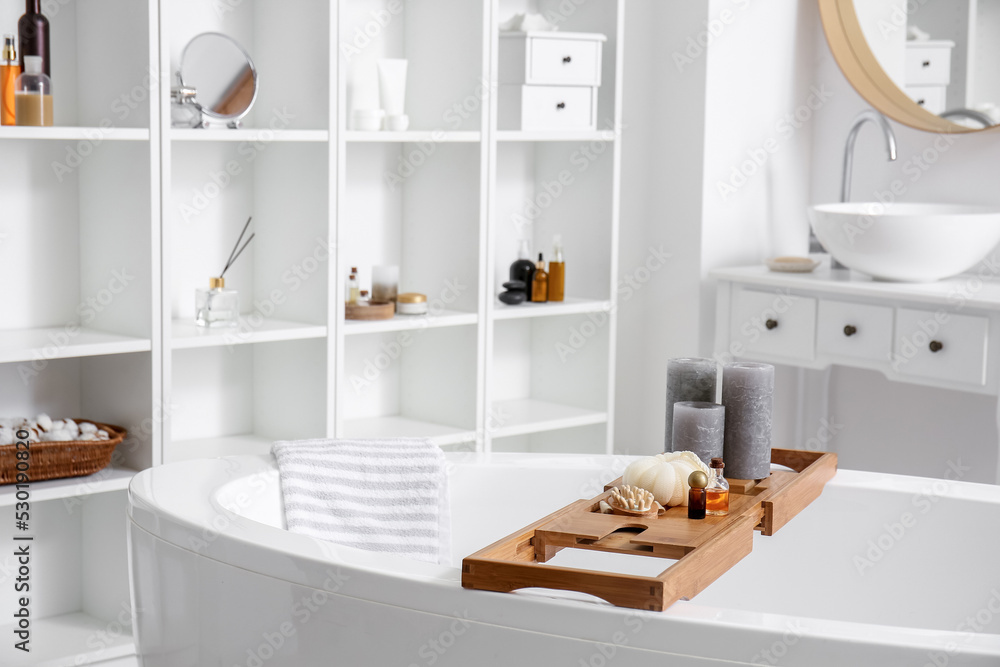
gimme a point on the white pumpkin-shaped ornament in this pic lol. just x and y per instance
(665, 476)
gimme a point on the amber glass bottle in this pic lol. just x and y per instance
(697, 496)
(557, 271)
(717, 502)
(540, 281)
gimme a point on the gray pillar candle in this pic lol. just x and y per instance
(748, 394)
(698, 428)
(688, 380)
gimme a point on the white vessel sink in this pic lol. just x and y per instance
(906, 242)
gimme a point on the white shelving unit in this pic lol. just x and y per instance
(113, 193)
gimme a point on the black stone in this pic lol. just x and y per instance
(516, 285)
(513, 298)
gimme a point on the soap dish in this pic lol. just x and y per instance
(792, 264)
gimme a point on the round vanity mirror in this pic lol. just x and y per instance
(222, 76)
(929, 64)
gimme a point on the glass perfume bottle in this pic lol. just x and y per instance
(540, 281)
(697, 480)
(183, 111)
(10, 69)
(353, 286)
(216, 306)
(33, 95)
(717, 499)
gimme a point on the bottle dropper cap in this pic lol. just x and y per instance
(32, 64)
(717, 462)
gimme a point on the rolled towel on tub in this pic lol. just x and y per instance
(378, 495)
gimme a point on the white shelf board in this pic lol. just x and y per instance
(527, 415)
(94, 134)
(65, 343)
(187, 335)
(447, 318)
(251, 135)
(108, 479)
(574, 135)
(66, 641)
(404, 427)
(410, 136)
(503, 311)
(210, 448)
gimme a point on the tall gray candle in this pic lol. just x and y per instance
(688, 380)
(698, 428)
(748, 394)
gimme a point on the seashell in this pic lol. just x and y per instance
(665, 476)
(87, 427)
(44, 422)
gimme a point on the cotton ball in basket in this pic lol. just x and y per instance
(62, 435)
(665, 476)
(6, 435)
(72, 427)
(103, 435)
(44, 422)
(87, 427)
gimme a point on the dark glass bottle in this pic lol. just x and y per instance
(523, 269)
(697, 496)
(33, 34)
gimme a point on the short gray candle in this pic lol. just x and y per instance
(688, 380)
(748, 394)
(699, 428)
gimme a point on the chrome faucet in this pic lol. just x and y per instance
(852, 137)
(845, 182)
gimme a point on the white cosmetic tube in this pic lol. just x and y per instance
(392, 85)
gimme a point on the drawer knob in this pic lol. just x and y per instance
(561, 105)
(936, 346)
(567, 59)
(850, 330)
(926, 63)
(771, 324)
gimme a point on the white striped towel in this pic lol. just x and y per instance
(378, 495)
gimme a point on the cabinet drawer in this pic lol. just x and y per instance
(928, 65)
(854, 330)
(932, 98)
(941, 346)
(570, 59)
(775, 324)
(547, 108)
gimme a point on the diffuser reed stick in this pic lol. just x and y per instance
(234, 255)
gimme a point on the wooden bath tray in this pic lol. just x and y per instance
(703, 549)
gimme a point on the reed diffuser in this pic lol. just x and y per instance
(217, 306)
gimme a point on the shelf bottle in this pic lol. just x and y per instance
(9, 71)
(717, 500)
(33, 35)
(540, 281)
(557, 271)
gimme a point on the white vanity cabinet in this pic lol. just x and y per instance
(942, 334)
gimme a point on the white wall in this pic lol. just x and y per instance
(664, 115)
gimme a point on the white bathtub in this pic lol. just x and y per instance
(880, 570)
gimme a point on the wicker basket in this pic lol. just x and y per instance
(70, 458)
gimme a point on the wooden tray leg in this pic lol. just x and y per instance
(618, 589)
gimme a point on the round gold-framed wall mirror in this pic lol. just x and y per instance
(928, 64)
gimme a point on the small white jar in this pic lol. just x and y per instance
(411, 303)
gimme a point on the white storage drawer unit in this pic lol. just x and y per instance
(932, 98)
(941, 346)
(928, 63)
(547, 108)
(855, 330)
(774, 324)
(551, 58)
